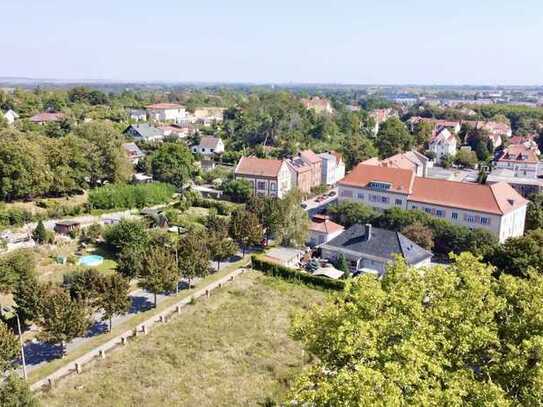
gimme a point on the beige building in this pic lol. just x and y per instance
(267, 177)
(497, 208)
(166, 112)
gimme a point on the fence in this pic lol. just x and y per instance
(122, 339)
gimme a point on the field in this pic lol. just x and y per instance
(232, 349)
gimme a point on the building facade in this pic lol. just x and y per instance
(166, 112)
(267, 177)
(497, 208)
(315, 162)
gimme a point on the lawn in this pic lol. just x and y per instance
(232, 349)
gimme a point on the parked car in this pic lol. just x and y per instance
(332, 193)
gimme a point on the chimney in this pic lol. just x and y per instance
(368, 231)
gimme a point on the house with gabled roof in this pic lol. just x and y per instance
(267, 177)
(497, 208)
(145, 132)
(315, 162)
(47, 117)
(522, 159)
(209, 146)
(368, 249)
(443, 143)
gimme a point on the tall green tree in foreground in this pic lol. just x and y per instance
(63, 318)
(193, 255)
(15, 392)
(9, 347)
(159, 273)
(393, 138)
(450, 335)
(245, 228)
(114, 299)
(172, 163)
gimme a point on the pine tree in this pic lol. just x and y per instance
(40, 234)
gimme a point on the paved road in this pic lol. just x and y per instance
(313, 207)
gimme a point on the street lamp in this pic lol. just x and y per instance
(8, 310)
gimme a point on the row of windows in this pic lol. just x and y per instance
(261, 185)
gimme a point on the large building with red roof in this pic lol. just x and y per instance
(497, 208)
(522, 159)
(267, 177)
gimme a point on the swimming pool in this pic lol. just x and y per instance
(91, 260)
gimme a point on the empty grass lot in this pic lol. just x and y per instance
(230, 350)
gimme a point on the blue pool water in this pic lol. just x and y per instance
(91, 260)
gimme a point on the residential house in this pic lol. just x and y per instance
(66, 227)
(145, 132)
(133, 152)
(139, 115)
(333, 168)
(379, 116)
(46, 117)
(208, 115)
(368, 249)
(443, 143)
(497, 208)
(175, 130)
(166, 112)
(315, 162)
(209, 146)
(522, 159)
(318, 105)
(267, 177)
(301, 174)
(10, 116)
(410, 160)
(322, 230)
(452, 125)
(497, 131)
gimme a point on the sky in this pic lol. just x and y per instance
(455, 42)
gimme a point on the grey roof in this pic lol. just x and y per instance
(133, 149)
(383, 243)
(145, 131)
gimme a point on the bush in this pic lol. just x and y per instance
(124, 196)
(223, 208)
(239, 190)
(287, 273)
(15, 217)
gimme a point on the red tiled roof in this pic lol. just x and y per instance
(497, 198)
(310, 156)
(163, 106)
(400, 180)
(324, 226)
(519, 153)
(258, 167)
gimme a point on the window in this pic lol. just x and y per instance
(413, 206)
(272, 186)
(454, 215)
(469, 218)
(428, 210)
(384, 199)
(485, 221)
(398, 202)
(347, 194)
(261, 185)
(360, 195)
(373, 198)
(440, 213)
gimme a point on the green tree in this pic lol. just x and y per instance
(453, 336)
(465, 158)
(420, 234)
(172, 163)
(293, 227)
(221, 247)
(28, 296)
(63, 318)
(39, 234)
(15, 392)
(350, 213)
(13, 267)
(423, 132)
(357, 148)
(520, 254)
(130, 261)
(159, 272)
(245, 229)
(86, 286)
(534, 213)
(127, 233)
(239, 190)
(9, 347)
(114, 299)
(393, 138)
(342, 264)
(193, 256)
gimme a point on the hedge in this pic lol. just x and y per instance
(124, 196)
(287, 273)
(223, 208)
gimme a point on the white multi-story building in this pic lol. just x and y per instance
(10, 116)
(497, 208)
(209, 146)
(166, 112)
(267, 177)
(522, 159)
(443, 143)
(332, 168)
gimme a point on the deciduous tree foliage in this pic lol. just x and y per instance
(450, 335)
(293, 225)
(393, 138)
(520, 254)
(534, 213)
(127, 234)
(15, 392)
(420, 234)
(114, 299)
(245, 228)
(172, 163)
(9, 347)
(159, 271)
(193, 255)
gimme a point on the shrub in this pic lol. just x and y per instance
(124, 196)
(287, 273)
(15, 217)
(222, 207)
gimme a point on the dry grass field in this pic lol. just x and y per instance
(230, 350)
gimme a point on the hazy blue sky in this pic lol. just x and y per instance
(349, 41)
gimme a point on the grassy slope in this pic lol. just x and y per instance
(232, 349)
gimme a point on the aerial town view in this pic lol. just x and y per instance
(271, 203)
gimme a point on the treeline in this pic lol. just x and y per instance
(438, 235)
(32, 165)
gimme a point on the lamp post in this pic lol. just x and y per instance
(10, 309)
